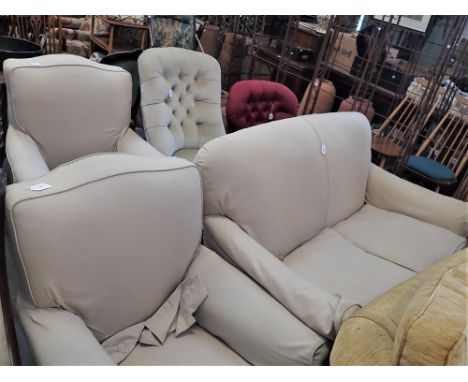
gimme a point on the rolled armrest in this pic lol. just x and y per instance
(58, 337)
(255, 325)
(25, 159)
(319, 309)
(389, 192)
(131, 143)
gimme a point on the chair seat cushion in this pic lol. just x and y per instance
(337, 265)
(188, 154)
(399, 238)
(196, 347)
(422, 318)
(431, 168)
(433, 330)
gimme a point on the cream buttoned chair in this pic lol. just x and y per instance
(126, 281)
(62, 107)
(180, 100)
(298, 206)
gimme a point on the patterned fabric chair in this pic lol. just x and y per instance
(252, 102)
(167, 31)
(73, 35)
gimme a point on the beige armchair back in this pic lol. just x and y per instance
(63, 107)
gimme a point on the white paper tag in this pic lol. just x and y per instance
(40, 187)
(270, 116)
(323, 150)
(170, 93)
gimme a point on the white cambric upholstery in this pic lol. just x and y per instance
(62, 107)
(101, 268)
(299, 207)
(180, 100)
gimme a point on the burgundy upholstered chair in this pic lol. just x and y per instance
(252, 102)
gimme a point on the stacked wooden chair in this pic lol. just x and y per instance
(442, 157)
(389, 140)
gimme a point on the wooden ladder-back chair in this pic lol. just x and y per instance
(443, 156)
(389, 140)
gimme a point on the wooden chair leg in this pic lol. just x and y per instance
(382, 162)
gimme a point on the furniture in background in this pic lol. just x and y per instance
(172, 31)
(231, 58)
(359, 104)
(11, 47)
(252, 102)
(128, 61)
(392, 135)
(73, 34)
(290, 54)
(443, 156)
(180, 100)
(298, 72)
(325, 99)
(53, 126)
(209, 41)
(421, 322)
(125, 33)
(298, 206)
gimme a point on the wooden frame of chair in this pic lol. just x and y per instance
(447, 143)
(390, 144)
(54, 42)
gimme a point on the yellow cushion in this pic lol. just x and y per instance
(422, 321)
(435, 320)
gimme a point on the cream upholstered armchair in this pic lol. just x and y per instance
(298, 206)
(180, 100)
(62, 107)
(126, 281)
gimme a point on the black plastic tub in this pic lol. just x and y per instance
(12, 47)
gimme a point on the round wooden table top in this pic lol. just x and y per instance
(386, 147)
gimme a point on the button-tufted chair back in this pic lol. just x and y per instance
(252, 102)
(180, 99)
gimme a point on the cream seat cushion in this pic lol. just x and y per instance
(398, 238)
(196, 347)
(336, 264)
